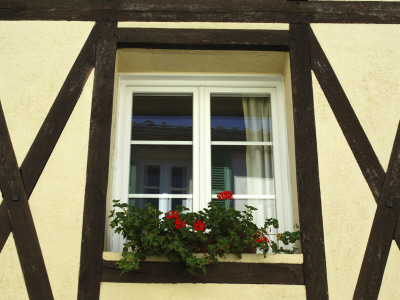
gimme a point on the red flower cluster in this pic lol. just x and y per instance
(179, 223)
(172, 214)
(199, 225)
(262, 239)
(225, 195)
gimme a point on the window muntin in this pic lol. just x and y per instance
(233, 120)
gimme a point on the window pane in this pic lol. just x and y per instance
(244, 170)
(265, 209)
(162, 204)
(240, 118)
(162, 117)
(157, 169)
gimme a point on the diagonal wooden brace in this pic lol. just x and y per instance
(21, 221)
(354, 133)
(53, 125)
(382, 231)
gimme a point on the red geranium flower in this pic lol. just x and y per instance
(172, 214)
(199, 225)
(179, 223)
(262, 239)
(225, 195)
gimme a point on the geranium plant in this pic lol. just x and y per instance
(213, 231)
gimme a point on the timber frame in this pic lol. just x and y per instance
(99, 52)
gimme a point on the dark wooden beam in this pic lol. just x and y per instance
(309, 196)
(383, 230)
(53, 125)
(247, 11)
(20, 217)
(347, 119)
(5, 227)
(273, 40)
(94, 212)
(225, 272)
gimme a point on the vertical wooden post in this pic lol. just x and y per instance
(94, 213)
(309, 196)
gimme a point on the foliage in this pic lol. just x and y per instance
(214, 231)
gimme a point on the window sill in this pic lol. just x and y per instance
(251, 269)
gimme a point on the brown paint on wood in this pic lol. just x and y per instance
(94, 213)
(273, 40)
(347, 119)
(243, 11)
(382, 231)
(226, 272)
(19, 215)
(53, 125)
(5, 227)
(309, 197)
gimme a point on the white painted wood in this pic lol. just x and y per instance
(201, 87)
(139, 142)
(240, 143)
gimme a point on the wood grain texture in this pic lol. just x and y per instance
(247, 11)
(53, 125)
(309, 197)
(382, 231)
(273, 40)
(226, 272)
(21, 221)
(5, 227)
(94, 213)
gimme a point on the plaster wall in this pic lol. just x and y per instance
(35, 58)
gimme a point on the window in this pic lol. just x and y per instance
(181, 139)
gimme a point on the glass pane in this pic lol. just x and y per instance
(157, 169)
(265, 209)
(244, 170)
(162, 204)
(141, 203)
(162, 117)
(240, 118)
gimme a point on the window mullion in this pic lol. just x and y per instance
(206, 146)
(196, 172)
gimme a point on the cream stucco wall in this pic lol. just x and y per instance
(34, 60)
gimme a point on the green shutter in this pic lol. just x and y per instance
(132, 179)
(132, 183)
(221, 174)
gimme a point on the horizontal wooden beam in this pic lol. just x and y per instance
(247, 11)
(226, 272)
(276, 40)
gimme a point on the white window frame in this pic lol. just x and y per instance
(201, 87)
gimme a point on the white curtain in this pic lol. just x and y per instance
(260, 177)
